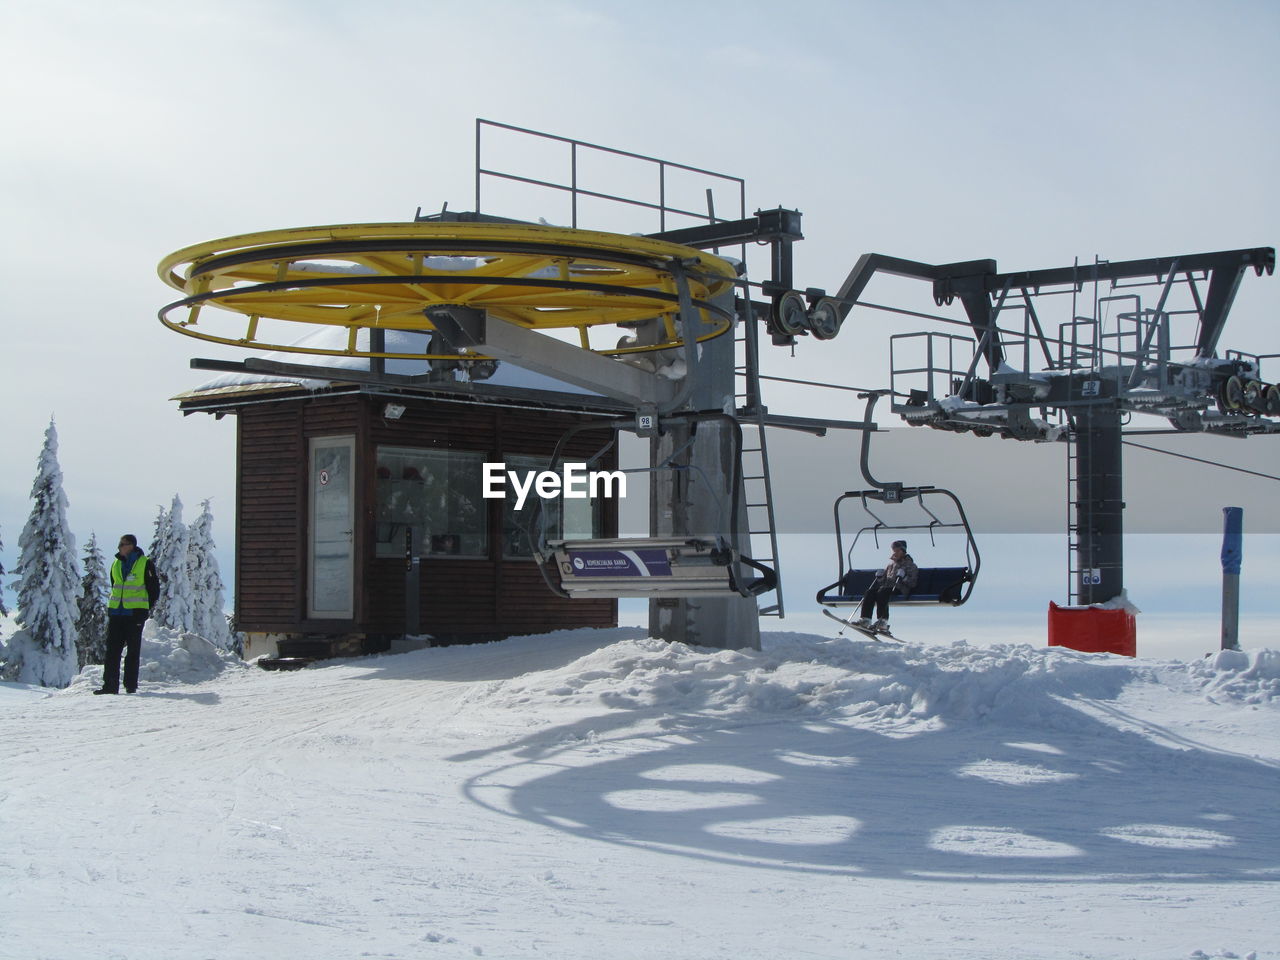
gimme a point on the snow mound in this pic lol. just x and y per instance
(171, 656)
(899, 688)
(1246, 676)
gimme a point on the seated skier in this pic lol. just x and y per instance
(897, 579)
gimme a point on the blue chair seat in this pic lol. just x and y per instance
(933, 585)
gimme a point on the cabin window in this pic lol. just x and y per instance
(564, 519)
(436, 493)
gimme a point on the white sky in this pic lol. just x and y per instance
(1031, 133)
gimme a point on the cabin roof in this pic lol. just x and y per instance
(509, 386)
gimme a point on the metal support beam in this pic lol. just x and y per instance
(975, 282)
(982, 317)
(703, 499)
(815, 425)
(475, 330)
(1259, 258)
(308, 371)
(1100, 503)
(766, 225)
(960, 279)
(377, 344)
(1223, 284)
(869, 264)
(781, 265)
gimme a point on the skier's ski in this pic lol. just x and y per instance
(877, 635)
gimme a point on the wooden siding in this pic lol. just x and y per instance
(269, 518)
(460, 597)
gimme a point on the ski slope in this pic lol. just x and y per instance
(598, 794)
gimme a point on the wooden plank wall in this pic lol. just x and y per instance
(461, 597)
(269, 516)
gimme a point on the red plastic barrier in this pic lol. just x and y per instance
(1091, 630)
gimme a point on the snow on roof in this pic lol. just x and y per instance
(398, 341)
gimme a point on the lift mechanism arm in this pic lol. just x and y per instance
(975, 282)
(472, 329)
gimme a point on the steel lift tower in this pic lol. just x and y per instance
(1114, 356)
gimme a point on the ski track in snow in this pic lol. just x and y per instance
(601, 794)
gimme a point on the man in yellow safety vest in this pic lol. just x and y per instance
(135, 587)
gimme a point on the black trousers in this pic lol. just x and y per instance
(878, 594)
(124, 635)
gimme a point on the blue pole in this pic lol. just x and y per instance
(1232, 555)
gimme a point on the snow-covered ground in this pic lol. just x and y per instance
(597, 794)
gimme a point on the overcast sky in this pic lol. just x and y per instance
(1031, 133)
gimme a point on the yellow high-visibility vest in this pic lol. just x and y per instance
(129, 593)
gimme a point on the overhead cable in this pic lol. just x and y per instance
(1212, 463)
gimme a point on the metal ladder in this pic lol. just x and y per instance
(757, 486)
(1088, 503)
(1073, 522)
(1080, 512)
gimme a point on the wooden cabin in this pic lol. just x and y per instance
(334, 485)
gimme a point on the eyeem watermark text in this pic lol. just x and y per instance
(575, 483)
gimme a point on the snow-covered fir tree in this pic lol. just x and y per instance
(160, 536)
(95, 588)
(159, 533)
(169, 555)
(44, 650)
(207, 590)
(4, 612)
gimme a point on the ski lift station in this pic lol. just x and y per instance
(429, 417)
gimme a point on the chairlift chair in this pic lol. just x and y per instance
(936, 584)
(652, 567)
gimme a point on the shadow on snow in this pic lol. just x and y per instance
(1047, 792)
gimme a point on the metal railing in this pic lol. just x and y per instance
(575, 189)
(937, 373)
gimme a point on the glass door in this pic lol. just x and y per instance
(332, 567)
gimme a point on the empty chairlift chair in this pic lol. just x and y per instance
(651, 567)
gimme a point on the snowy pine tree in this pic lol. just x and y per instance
(95, 588)
(4, 612)
(160, 537)
(207, 589)
(44, 652)
(169, 555)
(160, 533)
